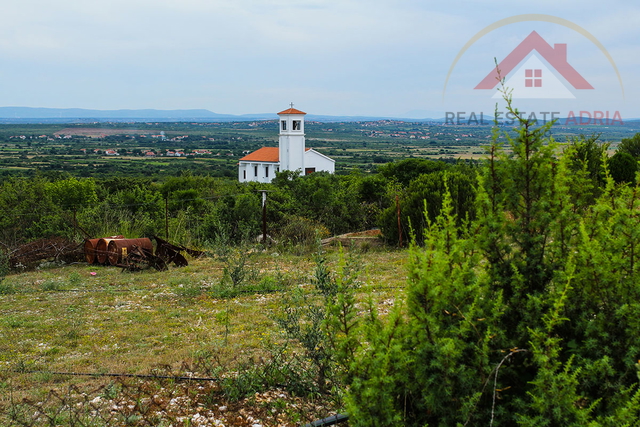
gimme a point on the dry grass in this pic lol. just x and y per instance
(65, 319)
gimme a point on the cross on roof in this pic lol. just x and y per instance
(291, 105)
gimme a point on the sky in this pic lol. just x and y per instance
(329, 57)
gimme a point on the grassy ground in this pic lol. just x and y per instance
(212, 318)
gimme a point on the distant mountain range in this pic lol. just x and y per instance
(81, 115)
(22, 114)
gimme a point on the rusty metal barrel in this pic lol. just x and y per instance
(102, 246)
(90, 250)
(118, 249)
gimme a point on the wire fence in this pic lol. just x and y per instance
(144, 376)
(118, 403)
(157, 399)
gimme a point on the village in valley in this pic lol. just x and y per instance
(215, 148)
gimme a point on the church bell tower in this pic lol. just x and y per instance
(291, 143)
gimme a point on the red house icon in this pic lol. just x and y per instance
(556, 56)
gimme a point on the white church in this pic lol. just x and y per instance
(290, 154)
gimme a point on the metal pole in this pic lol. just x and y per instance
(166, 216)
(329, 421)
(399, 225)
(264, 216)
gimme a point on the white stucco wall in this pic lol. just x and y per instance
(320, 162)
(266, 171)
(291, 142)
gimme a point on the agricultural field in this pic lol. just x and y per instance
(215, 319)
(145, 149)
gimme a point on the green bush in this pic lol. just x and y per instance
(428, 190)
(623, 167)
(281, 368)
(528, 316)
(323, 320)
(301, 232)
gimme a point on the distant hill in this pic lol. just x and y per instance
(80, 115)
(28, 114)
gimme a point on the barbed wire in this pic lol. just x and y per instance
(118, 375)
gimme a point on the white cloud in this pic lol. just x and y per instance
(351, 56)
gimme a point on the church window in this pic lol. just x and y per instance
(255, 170)
(284, 125)
(296, 125)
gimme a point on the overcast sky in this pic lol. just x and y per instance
(334, 57)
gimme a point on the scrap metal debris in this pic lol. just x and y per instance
(137, 254)
(163, 245)
(170, 253)
(54, 249)
(140, 258)
(132, 254)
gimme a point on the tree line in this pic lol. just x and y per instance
(200, 209)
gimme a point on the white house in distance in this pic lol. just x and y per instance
(290, 154)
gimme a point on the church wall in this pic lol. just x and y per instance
(319, 162)
(257, 171)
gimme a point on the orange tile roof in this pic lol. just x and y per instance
(264, 154)
(291, 111)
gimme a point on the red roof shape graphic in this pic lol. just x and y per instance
(556, 56)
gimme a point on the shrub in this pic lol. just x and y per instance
(322, 320)
(527, 317)
(300, 231)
